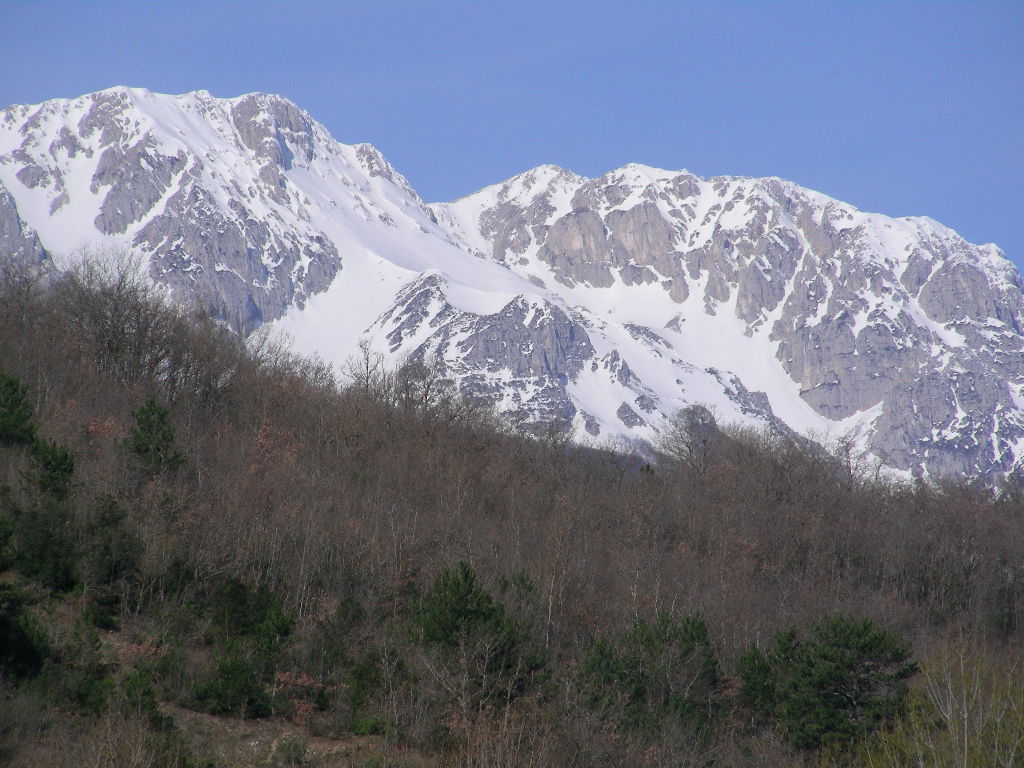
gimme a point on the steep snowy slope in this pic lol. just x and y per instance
(598, 305)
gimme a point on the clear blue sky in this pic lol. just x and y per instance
(904, 108)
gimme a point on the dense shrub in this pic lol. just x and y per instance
(110, 551)
(845, 679)
(363, 681)
(152, 438)
(79, 678)
(656, 671)
(50, 469)
(238, 610)
(16, 425)
(252, 631)
(23, 645)
(43, 543)
(236, 686)
(485, 653)
(457, 612)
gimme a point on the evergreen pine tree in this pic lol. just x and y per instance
(16, 426)
(844, 680)
(152, 439)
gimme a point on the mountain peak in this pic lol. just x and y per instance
(638, 172)
(599, 305)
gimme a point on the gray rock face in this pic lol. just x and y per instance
(578, 249)
(628, 416)
(520, 358)
(19, 244)
(528, 341)
(243, 271)
(137, 178)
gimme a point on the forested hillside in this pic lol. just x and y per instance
(217, 554)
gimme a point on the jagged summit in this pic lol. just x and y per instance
(239, 202)
(601, 305)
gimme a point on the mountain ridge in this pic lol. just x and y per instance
(599, 305)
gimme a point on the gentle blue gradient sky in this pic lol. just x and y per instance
(899, 107)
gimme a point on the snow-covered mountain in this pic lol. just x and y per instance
(598, 305)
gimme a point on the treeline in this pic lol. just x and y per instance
(187, 522)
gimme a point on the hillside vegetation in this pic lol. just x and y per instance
(204, 543)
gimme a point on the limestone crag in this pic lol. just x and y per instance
(862, 311)
(19, 244)
(519, 358)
